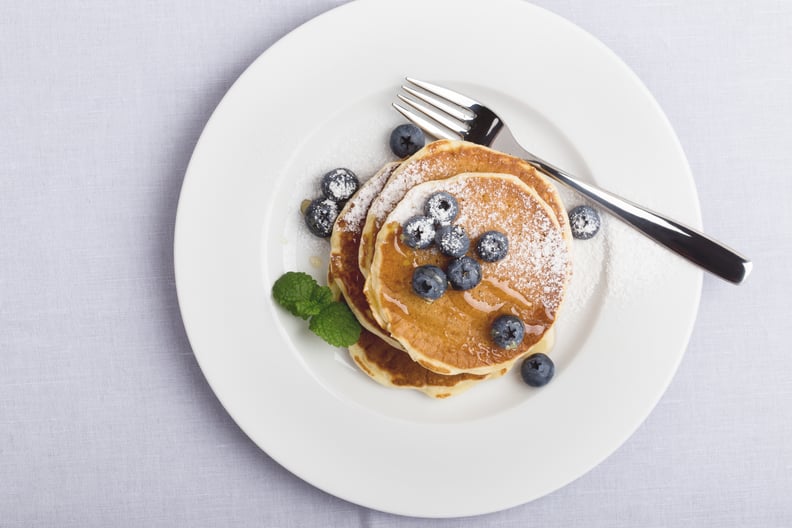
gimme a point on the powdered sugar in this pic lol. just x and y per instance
(635, 263)
(442, 207)
(411, 198)
(408, 176)
(584, 221)
(588, 262)
(618, 260)
(341, 184)
(452, 240)
(492, 246)
(419, 231)
(541, 255)
(353, 216)
(538, 258)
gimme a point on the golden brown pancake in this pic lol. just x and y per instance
(451, 335)
(343, 271)
(376, 353)
(395, 368)
(392, 367)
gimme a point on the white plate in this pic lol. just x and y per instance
(320, 98)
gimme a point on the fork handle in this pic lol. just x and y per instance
(691, 244)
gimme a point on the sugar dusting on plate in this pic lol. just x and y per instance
(621, 260)
(635, 262)
(588, 260)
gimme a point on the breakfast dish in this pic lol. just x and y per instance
(239, 228)
(421, 226)
(452, 333)
(376, 353)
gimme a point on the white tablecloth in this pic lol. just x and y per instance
(105, 418)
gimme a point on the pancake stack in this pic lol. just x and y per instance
(444, 347)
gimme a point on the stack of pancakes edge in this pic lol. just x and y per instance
(426, 349)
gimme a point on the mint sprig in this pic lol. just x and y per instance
(320, 297)
(336, 324)
(331, 320)
(295, 288)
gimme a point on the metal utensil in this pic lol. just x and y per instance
(444, 113)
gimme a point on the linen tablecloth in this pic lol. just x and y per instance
(105, 417)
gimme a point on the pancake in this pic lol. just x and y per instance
(395, 368)
(392, 367)
(443, 159)
(376, 353)
(343, 272)
(451, 335)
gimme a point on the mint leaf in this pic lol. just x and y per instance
(336, 324)
(332, 321)
(294, 288)
(319, 298)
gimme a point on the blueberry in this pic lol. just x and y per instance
(339, 185)
(320, 216)
(584, 221)
(429, 282)
(406, 140)
(418, 232)
(452, 241)
(492, 246)
(537, 370)
(442, 207)
(507, 331)
(464, 273)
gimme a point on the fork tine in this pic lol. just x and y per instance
(442, 119)
(425, 124)
(441, 104)
(446, 93)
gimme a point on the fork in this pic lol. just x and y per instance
(446, 114)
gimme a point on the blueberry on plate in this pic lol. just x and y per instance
(429, 282)
(406, 140)
(418, 232)
(452, 241)
(320, 216)
(537, 370)
(492, 246)
(507, 331)
(339, 185)
(464, 273)
(442, 207)
(584, 221)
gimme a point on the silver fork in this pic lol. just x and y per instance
(444, 113)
